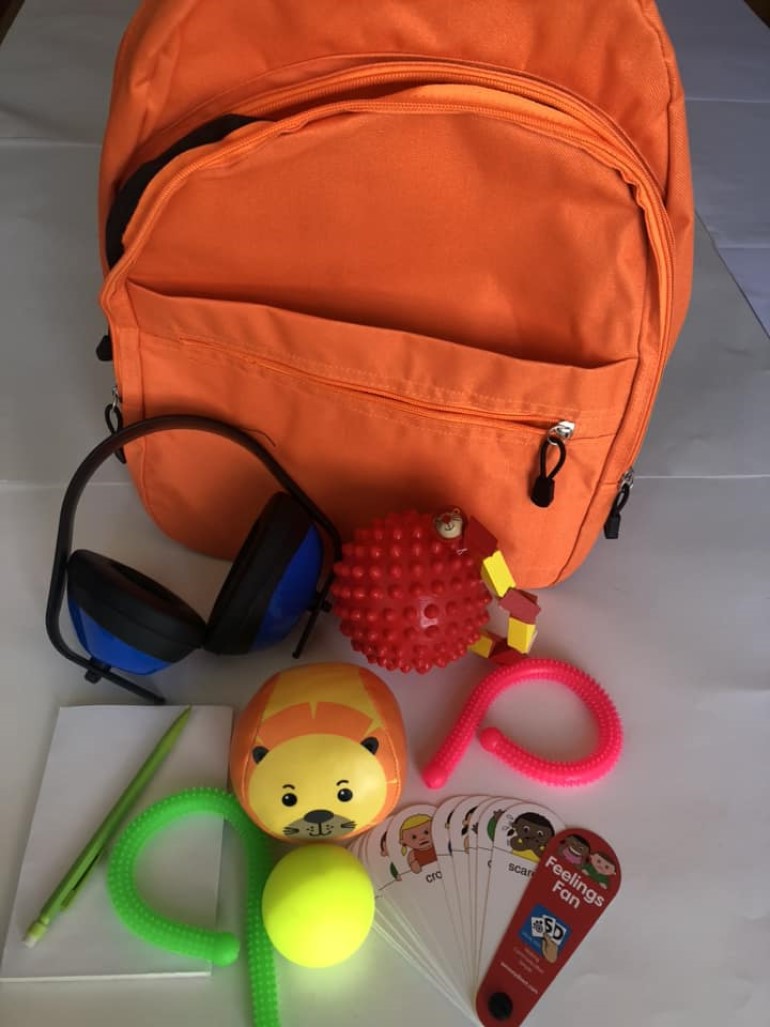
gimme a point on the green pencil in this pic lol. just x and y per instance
(66, 891)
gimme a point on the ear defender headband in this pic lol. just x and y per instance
(126, 620)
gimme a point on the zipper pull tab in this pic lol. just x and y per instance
(104, 349)
(544, 487)
(114, 418)
(112, 412)
(612, 524)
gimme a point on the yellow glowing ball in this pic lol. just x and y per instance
(318, 905)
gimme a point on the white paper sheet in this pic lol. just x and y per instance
(95, 752)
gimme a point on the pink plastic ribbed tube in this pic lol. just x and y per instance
(552, 772)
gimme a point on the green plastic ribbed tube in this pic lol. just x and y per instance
(218, 947)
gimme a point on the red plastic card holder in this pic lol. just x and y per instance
(577, 878)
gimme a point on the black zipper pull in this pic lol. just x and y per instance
(544, 487)
(104, 349)
(612, 524)
(114, 418)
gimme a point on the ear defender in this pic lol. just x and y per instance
(127, 621)
(271, 583)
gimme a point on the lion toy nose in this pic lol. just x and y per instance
(318, 816)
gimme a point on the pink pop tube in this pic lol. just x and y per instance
(551, 772)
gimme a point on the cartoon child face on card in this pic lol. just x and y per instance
(529, 834)
(466, 828)
(492, 823)
(416, 839)
(600, 868)
(574, 850)
(384, 853)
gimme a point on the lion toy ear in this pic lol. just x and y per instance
(319, 715)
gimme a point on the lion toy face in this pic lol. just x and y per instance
(319, 753)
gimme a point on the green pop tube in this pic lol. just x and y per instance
(218, 947)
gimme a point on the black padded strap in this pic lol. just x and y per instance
(130, 193)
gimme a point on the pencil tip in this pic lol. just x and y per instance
(34, 934)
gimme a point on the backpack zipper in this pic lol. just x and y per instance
(520, 420)
(113, 415)
(622, 156)
(557, 436)
(423, 72)
(612, 524)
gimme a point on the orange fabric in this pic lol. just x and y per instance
(452, 227)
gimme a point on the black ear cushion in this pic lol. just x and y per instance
(133, 607)
(254, 575)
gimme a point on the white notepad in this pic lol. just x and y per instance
(95, 752)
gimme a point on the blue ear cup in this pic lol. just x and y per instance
(125, 619)
(272, 582)
(294, 593)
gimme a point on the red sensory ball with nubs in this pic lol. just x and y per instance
(407, 594)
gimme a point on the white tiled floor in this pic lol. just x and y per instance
(723, 51)
(712, 402)
(672, 618)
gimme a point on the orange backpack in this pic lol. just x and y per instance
(438, 253)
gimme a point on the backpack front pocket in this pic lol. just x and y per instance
(358, 416)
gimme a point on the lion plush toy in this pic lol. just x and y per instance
(319, 753)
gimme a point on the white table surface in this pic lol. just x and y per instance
(672, 619)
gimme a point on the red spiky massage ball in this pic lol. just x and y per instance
(408, 596)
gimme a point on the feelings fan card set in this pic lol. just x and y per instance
(453, 880)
